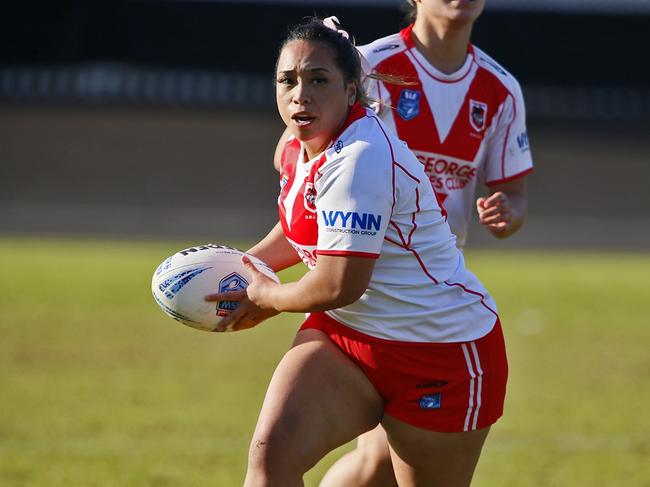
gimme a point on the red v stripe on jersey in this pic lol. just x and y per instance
(421, 130)
(421, 133)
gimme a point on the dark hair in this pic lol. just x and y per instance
(410, 11)
(346, 56)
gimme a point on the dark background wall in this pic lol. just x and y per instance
(587, 49)
(156, 117)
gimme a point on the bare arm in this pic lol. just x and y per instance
(335, 282)
(504, 211)
(275, 250)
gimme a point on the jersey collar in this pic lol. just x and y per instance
(407, 36)
(357, 112)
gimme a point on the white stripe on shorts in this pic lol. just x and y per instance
(480, 384)
(470, 368)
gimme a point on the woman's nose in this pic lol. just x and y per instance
(302, 94)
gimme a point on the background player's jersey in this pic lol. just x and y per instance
(463, 127)
(367, 195)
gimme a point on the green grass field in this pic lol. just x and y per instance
(99, 388)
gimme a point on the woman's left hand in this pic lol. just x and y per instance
(253, 307)
(495, 212)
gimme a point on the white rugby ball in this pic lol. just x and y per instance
(182, 281)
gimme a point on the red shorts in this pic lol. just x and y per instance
(445, 387)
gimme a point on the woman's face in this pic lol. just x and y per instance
(312, 95)
(456, 11)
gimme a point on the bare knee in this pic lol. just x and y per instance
(368, 465)
(271, 463)
(375, 456)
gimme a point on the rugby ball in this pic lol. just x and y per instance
(182, 281)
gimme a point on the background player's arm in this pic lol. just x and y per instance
(507, 164)
(504, 211)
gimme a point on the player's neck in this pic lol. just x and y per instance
(444, 47)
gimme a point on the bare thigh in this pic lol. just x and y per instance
(317, 400)
(429, 458)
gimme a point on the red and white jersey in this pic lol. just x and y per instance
(367, 195)
(463, 127)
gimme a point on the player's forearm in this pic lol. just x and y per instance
(336, 282)
(275, 250)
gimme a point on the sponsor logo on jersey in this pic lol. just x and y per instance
(232, 282)
(430, 401)
(283, 182)
(522, 142)
(446, 174)
(477, 114)
(408, 105)
(387, 47)
(351, 222)
(339, 146)
(310, 197)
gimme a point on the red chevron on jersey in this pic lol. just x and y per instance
(420, 132)
(297, 215)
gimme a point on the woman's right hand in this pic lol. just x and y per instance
(247, 314)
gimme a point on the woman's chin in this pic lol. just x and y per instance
(303, 134)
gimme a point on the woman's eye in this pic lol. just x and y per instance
(284, 81)
(319, 81)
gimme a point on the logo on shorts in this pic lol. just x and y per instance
(408, 105)
(477, 114)
(432, 385)
(430, 401)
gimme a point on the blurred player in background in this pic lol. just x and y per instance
(464, 118)
(398, 331)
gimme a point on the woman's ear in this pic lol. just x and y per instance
(352, 93)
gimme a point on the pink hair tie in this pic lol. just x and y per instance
(333, 23)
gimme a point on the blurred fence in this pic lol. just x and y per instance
(573, 58)
(153, 117)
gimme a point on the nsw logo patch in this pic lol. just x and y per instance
(430, 401)
(408, 105)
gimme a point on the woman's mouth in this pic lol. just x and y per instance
(303, 119)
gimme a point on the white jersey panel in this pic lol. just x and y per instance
(352, 208)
